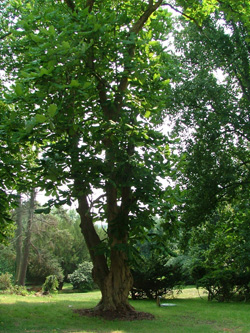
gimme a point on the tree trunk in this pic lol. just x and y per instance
(115, 280)
(26, 249)
(19, 238)
(116, 285)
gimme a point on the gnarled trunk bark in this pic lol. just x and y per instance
(116, 285)
(114, 280)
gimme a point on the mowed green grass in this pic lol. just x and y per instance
(54, 314)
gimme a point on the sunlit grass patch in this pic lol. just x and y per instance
(54, 314)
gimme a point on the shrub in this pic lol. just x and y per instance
(222, 284)
(18, 290)
(7, 287)
(39, 270)
(5, 281)
(243, 285)
(51, 284)
(7, 259)
(155, 278)
(81, 278)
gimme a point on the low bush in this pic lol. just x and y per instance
(51, 284)
(18, 290)
(222, 284)
(6, 286)
(81, 278)
(155, 278)
(5, 281)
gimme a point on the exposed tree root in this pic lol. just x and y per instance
(112, 315)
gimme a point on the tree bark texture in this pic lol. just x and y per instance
(116, 285)
(115, 280)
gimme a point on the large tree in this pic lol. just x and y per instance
(91, 81)
(213, 110)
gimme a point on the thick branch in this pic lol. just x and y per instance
(92, 240)
(136, 28)
(90, 4)
(5, 35)
(70, 4)
(103, 98)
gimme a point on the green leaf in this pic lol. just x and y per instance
(40, 118)
(65, 45)
(43, 71)
(87, 84)
(52, 30)
(45, 210)
(30, 124)
(166, 82)
(74, 83)
(19, 89)
(147, 114)
(36, 38)
(156, 76)
(52, 110)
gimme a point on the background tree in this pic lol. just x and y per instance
(56, 246)
(220, 250)
(19, 237)
(16, 158)
(23, 265)
(154, 271)
(214, 113)
(9, 168)
(212, 100)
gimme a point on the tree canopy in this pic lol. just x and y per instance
(90, 81)
(215, 111)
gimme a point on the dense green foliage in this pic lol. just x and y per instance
(220, 250)
(5, 281)
(7, 286)
(90, 83)
(213, 123)
(155, 277)
(57, 247)
(81, 278)
(155, 273)
(51, 284)
(9, 167)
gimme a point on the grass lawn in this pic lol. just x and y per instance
(54, 314)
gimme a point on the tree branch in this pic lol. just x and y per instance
(183, 14)
(95, 201)
(135, 29)
(70, 4)
(5, 35)
(90, 4)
